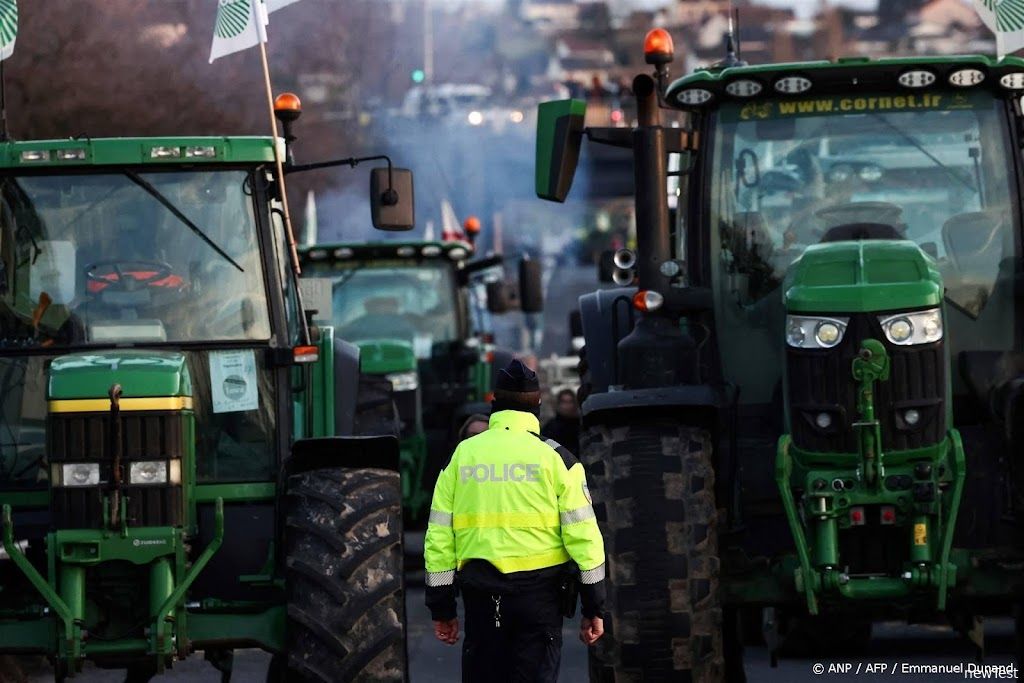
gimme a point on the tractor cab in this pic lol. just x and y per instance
(420, 314)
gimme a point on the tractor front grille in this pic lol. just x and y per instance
(821, 381)
(86, 437)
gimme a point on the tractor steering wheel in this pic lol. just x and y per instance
(127, 275)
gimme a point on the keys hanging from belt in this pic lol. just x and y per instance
(497, 610)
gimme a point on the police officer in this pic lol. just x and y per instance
(511, 519)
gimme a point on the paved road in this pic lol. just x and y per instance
(432, 662)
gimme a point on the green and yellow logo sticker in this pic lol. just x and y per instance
(817, 106)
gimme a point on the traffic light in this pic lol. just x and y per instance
(418, 75)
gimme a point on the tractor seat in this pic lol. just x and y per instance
(973, 240)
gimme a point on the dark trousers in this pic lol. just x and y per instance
(525, 648)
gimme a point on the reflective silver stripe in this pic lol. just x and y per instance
(440, 518)
(591, 575)
(554, 444)
(576, 516)
(435, 579)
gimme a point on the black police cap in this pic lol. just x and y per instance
(517, 377)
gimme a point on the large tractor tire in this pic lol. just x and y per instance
(376, 414)
(653, 489)
(343, 554)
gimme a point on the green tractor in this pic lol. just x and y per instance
(419, 311)
(808, 406)
(174, 474)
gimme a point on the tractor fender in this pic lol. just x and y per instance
(996, 378)
(381, 452)
(703, 404)
(607, 316)
(346, 386)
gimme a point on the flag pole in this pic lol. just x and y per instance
(4, 135)
(293, 253)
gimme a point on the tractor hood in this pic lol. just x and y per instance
(861, 277)
(385, 356)
(140, 374)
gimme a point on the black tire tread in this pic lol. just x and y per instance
(653, 488)
(346, 602)
(376, 413)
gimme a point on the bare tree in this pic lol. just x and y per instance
(139, 67)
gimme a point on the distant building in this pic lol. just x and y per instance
(550, 15)
(580, 60)
(690, 12)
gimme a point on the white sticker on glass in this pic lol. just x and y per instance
(233, 381)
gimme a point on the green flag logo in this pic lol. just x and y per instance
(1009, 14)
(232, 18)
(8, 27)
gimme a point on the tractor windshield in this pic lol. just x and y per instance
(934, 168)
(129, 258)
(413, 302)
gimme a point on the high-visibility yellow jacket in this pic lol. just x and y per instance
(514, 499)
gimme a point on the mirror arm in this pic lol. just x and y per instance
(614, 137)
(351, 162)
(676, 139)
(484, 263)
(389, 198)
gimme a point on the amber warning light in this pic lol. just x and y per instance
(287, 106)
(658, 47)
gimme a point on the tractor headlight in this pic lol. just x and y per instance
(78, 474)
(810, 332)
(148, 472)
(906, 329)
(404, 381)
(827, 333)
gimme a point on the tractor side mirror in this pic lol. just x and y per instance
(559, 137)
(531, 286)
(391, 199)
(497, 297)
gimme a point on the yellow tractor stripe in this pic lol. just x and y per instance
(102, 405)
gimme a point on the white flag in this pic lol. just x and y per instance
(274, 5)
(1005, 18)
(240, 24)
(9, 27)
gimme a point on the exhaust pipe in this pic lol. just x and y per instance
(623, 277)
(624, 259)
